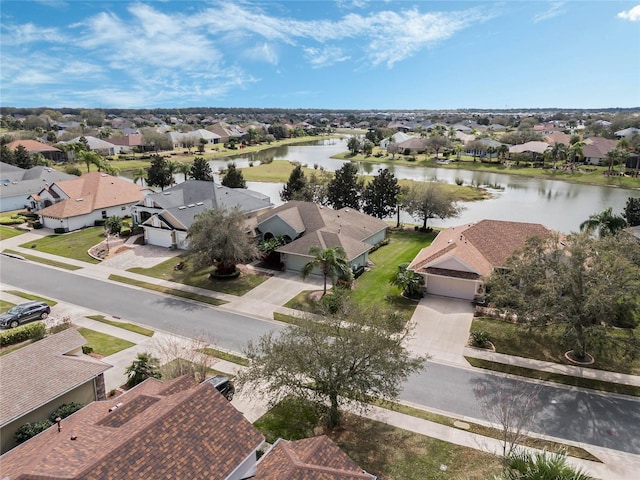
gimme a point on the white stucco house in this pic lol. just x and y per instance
(461, 258)
(79, 202)
(305, 224)
(166, 216)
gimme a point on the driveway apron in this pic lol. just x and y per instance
(441, 329)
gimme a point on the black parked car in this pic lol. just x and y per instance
(23, 313)
(224, 385)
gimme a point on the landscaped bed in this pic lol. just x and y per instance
(187, 275)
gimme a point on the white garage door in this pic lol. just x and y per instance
(451, 287)
(161, 238)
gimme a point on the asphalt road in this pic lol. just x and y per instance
(579, 415)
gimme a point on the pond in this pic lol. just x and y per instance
(556, 204)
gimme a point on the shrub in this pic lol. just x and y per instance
(480, 338)
(37, 225)
(31, 331)
(64, 410)
(59, 327)
(86, 349)
(100, 222)
(125, 232)
(28, 430)
(59, 230)
(73, 170)
(459, 181)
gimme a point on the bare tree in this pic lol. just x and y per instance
(510, 407)
(184, 356)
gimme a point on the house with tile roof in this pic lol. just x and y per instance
(32, 146)
(40, 377)
(310, 458)
(157, 430)
(179, 139)
(306, 224)
(166, 216)
(79, 202)
(18, 184)
(461, 258)
(595, 150)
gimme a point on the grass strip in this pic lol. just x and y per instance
(44, 261)
(556, 377)
(104, 344)
(4, 305)
(124, 325)
(291, 319)
(229, 357)
(34, 298)
(485, 431)
(170, 291)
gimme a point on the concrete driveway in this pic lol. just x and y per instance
(441, 329)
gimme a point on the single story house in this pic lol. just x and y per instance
(32, 146)
(98, 145)
(40, 377)
(179, 139)
(18, 184)
(627, 133)
(461, 258)
(171, 430)
(79, 202)
(596, 148)
(166, 216)
(534, 147)
(397, 137)
(414, 144)
(305, 224)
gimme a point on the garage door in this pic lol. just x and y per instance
(450, 287)
(161, 238)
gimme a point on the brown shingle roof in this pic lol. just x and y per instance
(316, 458)
(34, 375)
(325, 227)
(32, 146)
(481, 246)
(93, 191)
(193, 433)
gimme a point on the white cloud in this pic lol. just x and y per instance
(632, 15)
(262, 53)
(324, 57)
(555, 9)
(30, 33)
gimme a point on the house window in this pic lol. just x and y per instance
(123, 208)
(104, 214)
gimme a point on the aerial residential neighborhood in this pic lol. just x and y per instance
(319, 240)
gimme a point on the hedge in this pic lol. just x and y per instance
(60, 230)
(100, 222)
(30, 331)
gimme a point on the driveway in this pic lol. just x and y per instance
(441, 329)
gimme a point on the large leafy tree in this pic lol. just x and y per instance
(332, 263)
(201, 170)
(296, 186)
(234, 178)
(380, 196)
(349, 357)
(159, 174)
(632, 211)
(437, 143)
(219, 237)
(581, 282)
(605, 223)
(22, 158)
(430, 200)
(344, 190)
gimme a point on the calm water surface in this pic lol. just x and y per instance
(556, 204)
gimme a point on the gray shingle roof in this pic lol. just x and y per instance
(34, 375)
(29, 181)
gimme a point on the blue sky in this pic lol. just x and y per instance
(339, 54)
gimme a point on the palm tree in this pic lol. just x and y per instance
(558, 152)
(605, 223)
(411, 282)
(89, 157)
(172, 168)
(524, 465)
(140, 174)
(575, 151)
(503, 150)
(183, 168)
(332, 263)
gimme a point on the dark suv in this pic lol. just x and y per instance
(224, 385)
(23, 313)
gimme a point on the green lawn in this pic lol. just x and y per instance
(71, 245)
(104, 344)
(381, 449)
(200, 277)
(4, 305)
(30, 297)
(546, 344)
(44, 261)
(124, 325)
(170, 291)
(8, 232)
(374, 287)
